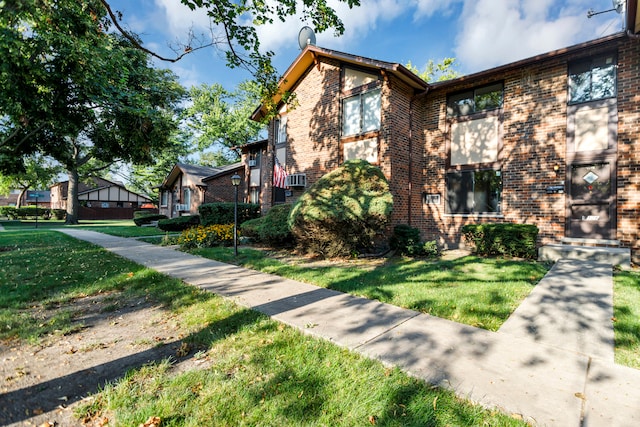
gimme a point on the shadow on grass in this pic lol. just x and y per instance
(18, 405)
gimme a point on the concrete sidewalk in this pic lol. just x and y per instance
(523, 369)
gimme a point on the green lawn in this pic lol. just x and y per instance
(626, 312)
(476, 291)
(115, 227)
(259, 372)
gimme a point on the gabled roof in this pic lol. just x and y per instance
(222, 170)
(311, 53)
(196, 171)
(252, 144)
(199, 173)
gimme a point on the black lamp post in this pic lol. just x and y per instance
(235, 180)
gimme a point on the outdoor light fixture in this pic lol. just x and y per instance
(235, 181)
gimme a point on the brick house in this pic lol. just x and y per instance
(99, 199)
(551, 140)
(187, 186)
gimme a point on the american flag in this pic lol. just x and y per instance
(279, 175)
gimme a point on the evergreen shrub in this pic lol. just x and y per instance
(344, 213)
(141, 220)
(222, 213)
(406, 241)
(511, 240)
(179, 223)
(272, 228)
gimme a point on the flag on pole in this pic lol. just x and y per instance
(279, 175)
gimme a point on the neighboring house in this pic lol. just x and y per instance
(28, 199)
(100, 199)
(551, 140)
(188, 186)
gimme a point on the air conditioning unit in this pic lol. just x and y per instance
(297, 180)
(253, 163)
(181, 207)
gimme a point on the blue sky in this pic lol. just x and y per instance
(480, 34)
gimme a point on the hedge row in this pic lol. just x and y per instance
(25, 212)
(223, 213)
(513, 240)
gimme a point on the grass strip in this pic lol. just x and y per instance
(480, 292)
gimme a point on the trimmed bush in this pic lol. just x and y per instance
(511, 240)
(144, 212)
(25, 212)
(344, 212)
(406, 241)
(179, 223)
(141, 220)
(206, 236)
(272, 229)
(222, 213)
(59, 214)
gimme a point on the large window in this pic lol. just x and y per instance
(593, 79)
(164, 198)
(475, 100)
(361, 113)
(281, 130)
(187, 197)
(474, 192)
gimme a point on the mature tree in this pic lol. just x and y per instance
(436, 72)
(233, 32)
(220, 119)
(38, 173)
(75, 92)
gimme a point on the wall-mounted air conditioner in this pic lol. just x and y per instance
(253, 163)
(297, 180)
(181, 207)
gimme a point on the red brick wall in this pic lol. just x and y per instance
(629, 146)
(220, 189)
(414, 134)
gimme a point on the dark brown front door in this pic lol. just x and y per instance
(592, 207)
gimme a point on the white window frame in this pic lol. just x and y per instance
(357, 115)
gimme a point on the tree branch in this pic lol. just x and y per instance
(138, 45)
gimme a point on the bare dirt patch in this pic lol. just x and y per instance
(41, 385)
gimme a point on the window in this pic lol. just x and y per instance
(281, 130)
(593, 79)
(187, 198)
(254, 195)
(254, 158)
(361, 113)
(480, 99)
(164, 198)
(474, 192)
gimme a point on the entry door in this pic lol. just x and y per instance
(592, 201)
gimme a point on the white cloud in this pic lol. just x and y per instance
(427, 8)
(495, 32)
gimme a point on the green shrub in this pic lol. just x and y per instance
(406, 241)
(222, 213)
(179, 223)
(272, 228)
(141, 220)
(512, 240)
(59, 214)
(9, 211)
(344, 212)
(144, 212)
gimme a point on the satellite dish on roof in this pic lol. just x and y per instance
(306, 36)
(618, 7)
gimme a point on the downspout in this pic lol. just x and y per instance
(410, 180)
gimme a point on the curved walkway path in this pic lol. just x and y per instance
(551, 362)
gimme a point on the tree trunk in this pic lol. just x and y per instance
(20, 196)
(72, 198)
